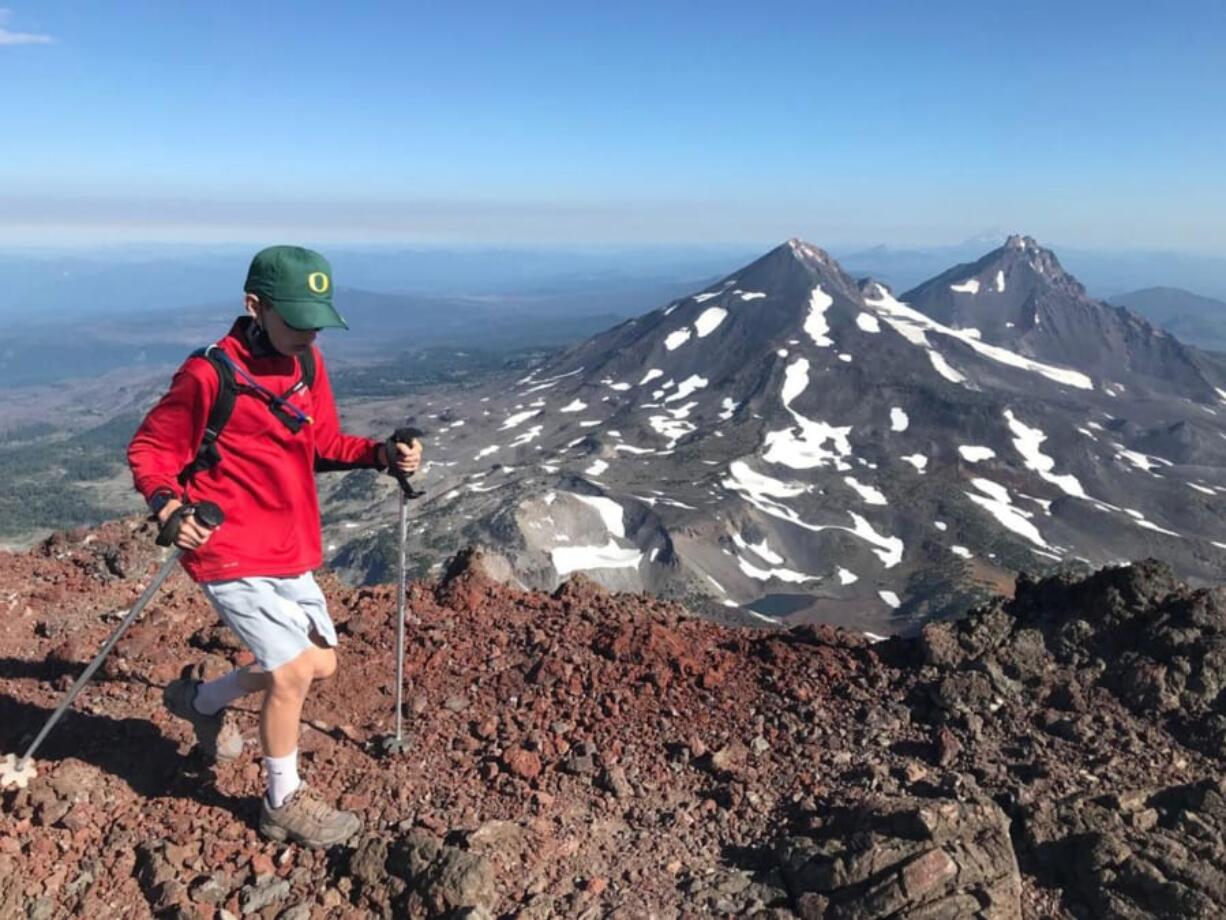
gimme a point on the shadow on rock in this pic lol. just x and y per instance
(133, 750)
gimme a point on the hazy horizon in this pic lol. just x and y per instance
(142, 247)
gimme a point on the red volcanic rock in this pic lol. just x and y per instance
(472, 577)
(521, 763)
(676, 742)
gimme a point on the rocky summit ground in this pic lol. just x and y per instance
(592, 755)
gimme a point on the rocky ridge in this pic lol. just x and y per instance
(587, 754)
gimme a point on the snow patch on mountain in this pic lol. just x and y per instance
(764, 492)
(913, 326)
(1027, 441)
(612, 515)
(528, 436)
(815, 323)
(547, 382)
(867, 322)
(803, 446)
(709, 320)
(762, 549)
(973, 453)
(519, 418)
(688, 386)
(1146, 462)
(869, 494)
(996, 501)
(944, 368)
(568, 559)
(673, 425)
(782, 574)
(676, 339)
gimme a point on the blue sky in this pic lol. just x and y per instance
(1092, 124)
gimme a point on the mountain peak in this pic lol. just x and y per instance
(1040, 258)
(1020, 293)
(794, 263)
(809, 254)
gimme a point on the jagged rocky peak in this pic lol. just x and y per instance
(1022, 260)
(1020, 249)
(1019, 296)
(1005, 293)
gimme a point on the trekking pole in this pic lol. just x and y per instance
(395, 744)
(17, 773)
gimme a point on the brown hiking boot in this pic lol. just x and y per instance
(307, 819)
(217, 735)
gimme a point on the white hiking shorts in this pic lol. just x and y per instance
(275, 617)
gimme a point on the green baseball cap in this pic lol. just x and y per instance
(297, 283)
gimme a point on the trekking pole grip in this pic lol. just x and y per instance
(207, 513)
(403, 436)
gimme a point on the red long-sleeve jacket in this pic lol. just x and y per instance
(265, 482)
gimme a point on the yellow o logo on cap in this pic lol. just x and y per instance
(318, 282)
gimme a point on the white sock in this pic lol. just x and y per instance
(282, 777)
(216, 695)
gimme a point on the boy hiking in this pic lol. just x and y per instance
(269, 385)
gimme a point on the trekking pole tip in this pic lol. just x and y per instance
(391, 746)
(15, 773)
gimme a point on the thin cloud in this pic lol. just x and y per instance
(8, 37)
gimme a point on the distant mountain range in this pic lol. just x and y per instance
(129, 306)
(793, 443)
(381, 326)
(1199, 321)
(47, 286)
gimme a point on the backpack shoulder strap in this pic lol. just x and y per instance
(207, 454)
(306, 365)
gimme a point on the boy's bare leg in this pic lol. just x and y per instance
(217, 694)
(286, 691)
